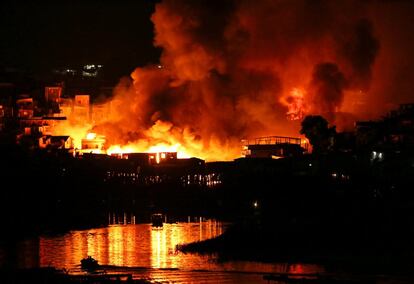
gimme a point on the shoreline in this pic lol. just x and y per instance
(266, 246)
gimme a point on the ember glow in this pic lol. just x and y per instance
(295, 103)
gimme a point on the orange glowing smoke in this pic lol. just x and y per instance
(232, 71)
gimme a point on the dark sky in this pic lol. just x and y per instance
(40, 35)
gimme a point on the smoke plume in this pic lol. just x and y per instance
(327, 87)
(228, 68)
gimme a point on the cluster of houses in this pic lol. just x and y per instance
(32, 121)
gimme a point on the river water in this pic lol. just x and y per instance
(145, 252)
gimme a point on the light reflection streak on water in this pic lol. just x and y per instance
(142, 246)
(156, 248)
(116, 251)
(128, 245)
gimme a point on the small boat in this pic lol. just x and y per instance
(156, 220)
(89, 263)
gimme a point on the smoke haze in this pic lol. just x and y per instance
(228, 68)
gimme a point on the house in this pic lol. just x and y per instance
(56, 142)
(273, 147)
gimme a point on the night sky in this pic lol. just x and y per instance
(39, 35)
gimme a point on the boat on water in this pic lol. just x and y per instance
(89, 263)
(157, 220)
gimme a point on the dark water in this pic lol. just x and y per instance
(146, 253)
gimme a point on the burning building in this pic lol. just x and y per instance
(25, 107)
(93, 143)
(274, 147)
(56, 142)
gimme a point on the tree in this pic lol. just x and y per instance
(320, 135)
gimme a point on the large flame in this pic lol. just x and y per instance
(235, 72)
(164, 137)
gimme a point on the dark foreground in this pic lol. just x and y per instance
(131, 275)
(360, 250)
(343, 211)
(52, 275)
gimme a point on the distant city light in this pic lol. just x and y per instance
(89, 66)
(379, 156)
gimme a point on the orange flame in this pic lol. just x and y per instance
(91, 136)
(209, 91)
(295, 104)
(141, 148)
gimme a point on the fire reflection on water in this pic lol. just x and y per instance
(158, 248)
(128, 245)
(140, 245)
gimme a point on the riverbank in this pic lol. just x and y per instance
(354, 250)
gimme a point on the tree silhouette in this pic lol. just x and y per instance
(320, 135)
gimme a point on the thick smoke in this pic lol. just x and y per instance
(327, 88)
(359, 52)
(227, 65)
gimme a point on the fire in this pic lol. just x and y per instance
(209, 91)
(142, 148)
(295, 104)
(76, 131)
(91, 136)
(118, 149)
(162, 148)
(161, 137)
